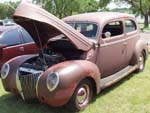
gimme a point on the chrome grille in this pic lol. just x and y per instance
(28, 85)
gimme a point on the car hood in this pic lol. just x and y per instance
(42, 26)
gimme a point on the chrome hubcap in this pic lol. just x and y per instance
(83, 95)
(141, 62)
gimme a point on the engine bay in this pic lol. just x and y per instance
(44, 60)
(55, 52)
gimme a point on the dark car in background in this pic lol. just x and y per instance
(15, 41)
(7, 22)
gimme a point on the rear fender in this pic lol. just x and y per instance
(139, 48)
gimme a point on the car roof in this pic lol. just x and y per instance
(98, 17)
(8, 28)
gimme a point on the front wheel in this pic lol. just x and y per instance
(81, 96)
(141, 63)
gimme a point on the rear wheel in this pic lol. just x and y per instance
(141, 62)
(81, 97)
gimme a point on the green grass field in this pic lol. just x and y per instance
(130, 95)
(141, 25)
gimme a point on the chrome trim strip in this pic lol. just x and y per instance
(29, 70)
(112, 43)
(18, 85)
(18, 45)
(115, 42)
(38, 83)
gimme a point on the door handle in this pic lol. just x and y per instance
(125, 43)
(21, 48)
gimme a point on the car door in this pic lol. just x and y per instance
(112, 50)
(13, 43)
(28, 43)
(132, 36)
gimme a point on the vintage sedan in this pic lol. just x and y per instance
(80, 55)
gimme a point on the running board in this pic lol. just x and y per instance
(105, 82)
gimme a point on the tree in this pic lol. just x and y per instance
(7, 9)
(62, 8)
(104, 3)
(122, 10)
(141, 7)
(87, 6)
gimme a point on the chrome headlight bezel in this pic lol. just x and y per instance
(5, 70)
(52, 81)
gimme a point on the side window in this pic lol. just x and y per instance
(113, 29)
(26, 36)
(130, 26)
(11, 38)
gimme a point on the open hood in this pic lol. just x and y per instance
(42, 26)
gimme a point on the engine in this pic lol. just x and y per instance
(44, 60)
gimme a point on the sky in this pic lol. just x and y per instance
(113, 5)
(2, 1)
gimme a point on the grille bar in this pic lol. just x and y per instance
(28, 84)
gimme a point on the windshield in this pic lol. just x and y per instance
(87, 29)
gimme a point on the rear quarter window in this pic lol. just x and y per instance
(130, 26)
(26, 36)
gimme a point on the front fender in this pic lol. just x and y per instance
(139, 48)
(9, 83)
(70, 73)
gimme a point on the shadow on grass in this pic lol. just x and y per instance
(9, 103)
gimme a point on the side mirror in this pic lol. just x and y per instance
(107, 34)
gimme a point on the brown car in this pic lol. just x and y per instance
(76, 62)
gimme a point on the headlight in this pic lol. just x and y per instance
(52, 81)
(5, 70)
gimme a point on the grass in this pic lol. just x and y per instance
(147, 28)
(130, 95)
(141, 25)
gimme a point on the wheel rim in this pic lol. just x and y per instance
(83, 96)
(141, 62)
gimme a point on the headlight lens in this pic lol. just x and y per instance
(52, 81)
(5, 70)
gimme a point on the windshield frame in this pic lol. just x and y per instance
(84, 22)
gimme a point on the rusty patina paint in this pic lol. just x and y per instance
(101, 57)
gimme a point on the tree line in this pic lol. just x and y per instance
(62, 8)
